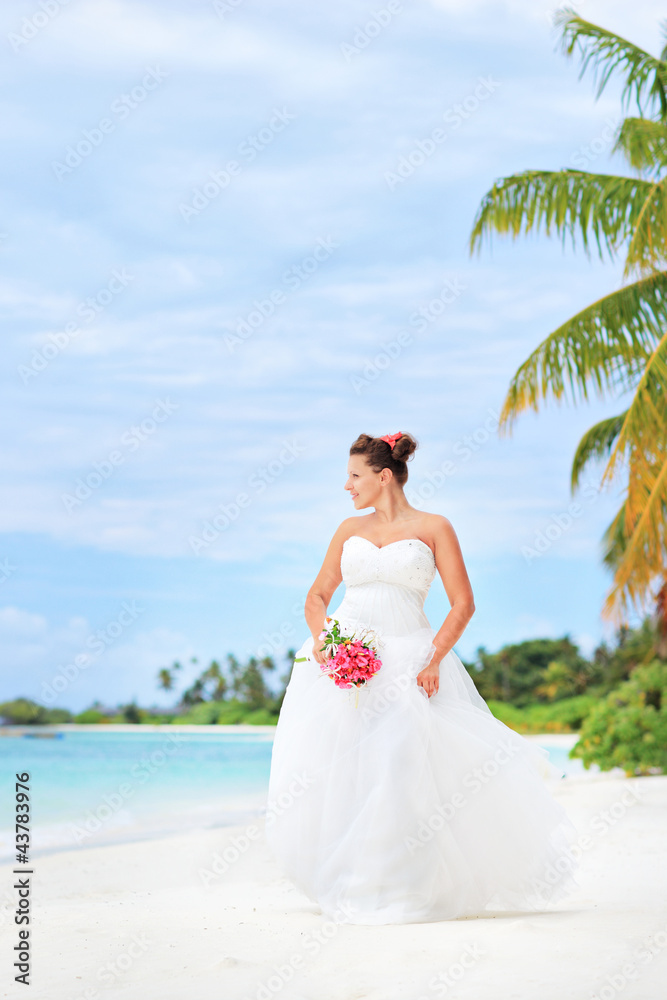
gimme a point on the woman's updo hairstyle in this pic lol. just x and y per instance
(379, 454)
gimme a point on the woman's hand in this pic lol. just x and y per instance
(318, 653)
(429, 678)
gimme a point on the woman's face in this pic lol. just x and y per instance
(363, 484)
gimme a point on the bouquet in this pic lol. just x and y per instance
(353, 659)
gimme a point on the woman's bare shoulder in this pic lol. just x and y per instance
(350, 526)
(437, 528)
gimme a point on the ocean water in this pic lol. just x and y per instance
(558, 755)
(90, 788)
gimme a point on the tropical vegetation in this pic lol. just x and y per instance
(618, 344)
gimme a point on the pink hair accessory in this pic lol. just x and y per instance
(391, 439)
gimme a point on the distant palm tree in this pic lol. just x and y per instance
(165, 679)
(214, 674)
(166, 676)
(619, 343)
(235, 671)
(194, 694)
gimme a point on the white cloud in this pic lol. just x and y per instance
(17, 622)
(122, 661)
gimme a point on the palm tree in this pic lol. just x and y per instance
(618, 344)
(165, 679)
(214, 677)
(194, 694)
(165, 676)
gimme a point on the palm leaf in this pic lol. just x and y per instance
(648, 247)
(643, 557)
(645, 77)
(606, 344)
(644, 430)
(614, 540)
(642, 441)
(644, 143)
(604, 207)
(596, 443)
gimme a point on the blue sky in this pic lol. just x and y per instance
(211, 275)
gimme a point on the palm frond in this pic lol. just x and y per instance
(647, 249)
(643, 556)
(614, 540)
(606, 345)
(644, 429)
(644, 76)
(642, 442)
(644, 143)
(602, 207)
(596, 443)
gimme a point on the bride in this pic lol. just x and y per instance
(405, 799)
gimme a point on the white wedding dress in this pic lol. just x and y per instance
(387, 806)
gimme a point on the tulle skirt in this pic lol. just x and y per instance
(387, 806)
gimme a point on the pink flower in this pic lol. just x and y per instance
(354, 663)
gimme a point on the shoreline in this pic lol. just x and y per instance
(128, 727)
(214, 812)
(560, 739)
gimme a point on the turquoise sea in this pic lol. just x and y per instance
(91, 788)
(94, 787)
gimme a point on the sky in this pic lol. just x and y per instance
(234, 236)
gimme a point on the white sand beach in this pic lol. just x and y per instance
(154, 919)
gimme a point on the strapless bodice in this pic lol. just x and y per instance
(385, 587)
(408, 562)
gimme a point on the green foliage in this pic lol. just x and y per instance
(644, 143)
(261, 717)
(204, 714)
(57, 715)
(227, 713)
(230, 694)
(132, 713)
(253, 689)
(25, 712)
(606, 345)
(607, 53)
(563, 716)
(516, 673)
(525, 681)
(232, 713)
(603, 207)
(595, 444)
(22, 711)
(90, 716)
(633, 647)
(629, 728)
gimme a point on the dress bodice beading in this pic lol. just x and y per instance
(386, 587)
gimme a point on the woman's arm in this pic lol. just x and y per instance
(450, 565)
(324, 586)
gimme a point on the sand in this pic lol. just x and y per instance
(154, 919)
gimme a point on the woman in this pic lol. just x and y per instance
(406, 799)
